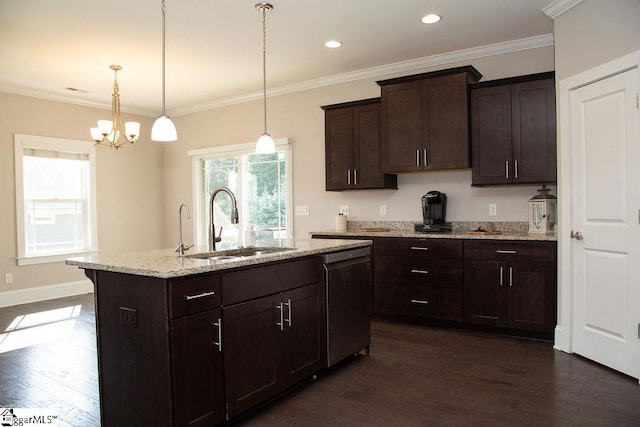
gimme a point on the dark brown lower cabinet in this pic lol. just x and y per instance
(517, 295)
(197, 370)
(420, 301)
(271, 343)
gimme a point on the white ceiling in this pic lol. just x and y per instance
(214, 47)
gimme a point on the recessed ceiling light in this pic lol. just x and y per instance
(333, 44)
(431, 18)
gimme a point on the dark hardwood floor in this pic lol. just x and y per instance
(415, 376)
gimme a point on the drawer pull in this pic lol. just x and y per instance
(505, 252)
(419, 248)
(419, 301)
(288, 319)
(280, 308)
(420, 271)
(219, 343)
(501, 269)
(202, 295)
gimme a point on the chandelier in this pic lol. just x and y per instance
(265, 144)
(109, 132)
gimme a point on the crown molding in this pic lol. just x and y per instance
(375, 73)
(52, 96)
(559, 7)
(381, 72)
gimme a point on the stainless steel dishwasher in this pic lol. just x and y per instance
(348, 282)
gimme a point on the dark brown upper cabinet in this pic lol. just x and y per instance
(513, 130)
(352, 147)
(425, 120)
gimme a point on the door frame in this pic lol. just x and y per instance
(564, 328)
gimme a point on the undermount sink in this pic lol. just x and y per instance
(237, 253)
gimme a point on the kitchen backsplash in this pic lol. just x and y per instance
(457, 226)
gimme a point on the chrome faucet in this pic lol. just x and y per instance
(181, 246)
(234, 216)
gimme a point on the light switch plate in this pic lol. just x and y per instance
(344, 209)
(302, 210)
(493, 209)
(383, 210)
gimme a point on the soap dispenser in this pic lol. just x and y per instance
(250, 235)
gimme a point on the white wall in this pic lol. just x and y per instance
(300, 117)
(129, 187)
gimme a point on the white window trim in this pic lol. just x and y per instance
(282, 144)
(62, 145)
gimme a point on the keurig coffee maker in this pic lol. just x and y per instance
(434, 210)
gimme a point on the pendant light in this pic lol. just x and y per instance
(265, 144)
(163, 129)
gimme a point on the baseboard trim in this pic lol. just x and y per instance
(42, 293)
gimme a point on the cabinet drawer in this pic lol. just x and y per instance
(428, 247)
(189, 296)
(440, 272)
(500, 250)
(421, 301)
(256, 282)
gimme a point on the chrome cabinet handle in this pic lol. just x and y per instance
(420, 271)
(348, 176)
(417, 157)
(506, 169)
(577, 235)
(425, 157)
(219, 325)
(288, 319)
(501, 276)
(281, 323)
(510, 276)
(355, 177)
(515, 169)
(499, 251)
(419, 248)
(419, 301)
(202, 295)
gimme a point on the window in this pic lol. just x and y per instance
(260, 182)
(55, 198)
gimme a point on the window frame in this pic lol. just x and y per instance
(62, 145)
(281, 144)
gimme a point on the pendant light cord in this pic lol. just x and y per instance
(163, 55)
(264, 65)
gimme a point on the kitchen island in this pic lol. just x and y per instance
(202, 338)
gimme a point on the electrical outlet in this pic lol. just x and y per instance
(302, 210)
(344, 209)
(8, 278)
(383, 210)
(493, 209)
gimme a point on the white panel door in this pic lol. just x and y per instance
(605, 216)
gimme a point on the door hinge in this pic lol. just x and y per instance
(638, 330)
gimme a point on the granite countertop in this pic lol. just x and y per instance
(165, 263)
(460, 230)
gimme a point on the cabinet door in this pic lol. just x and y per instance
(534, 131)
(491, 148)
(367, 167)
(196, 370)
(303, 335)
(251, 342)
(401, 124)
(445, 126)
(484, 295)
(339, 148)
(531, 301)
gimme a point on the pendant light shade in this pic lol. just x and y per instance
(163, 129)
(265, 144)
